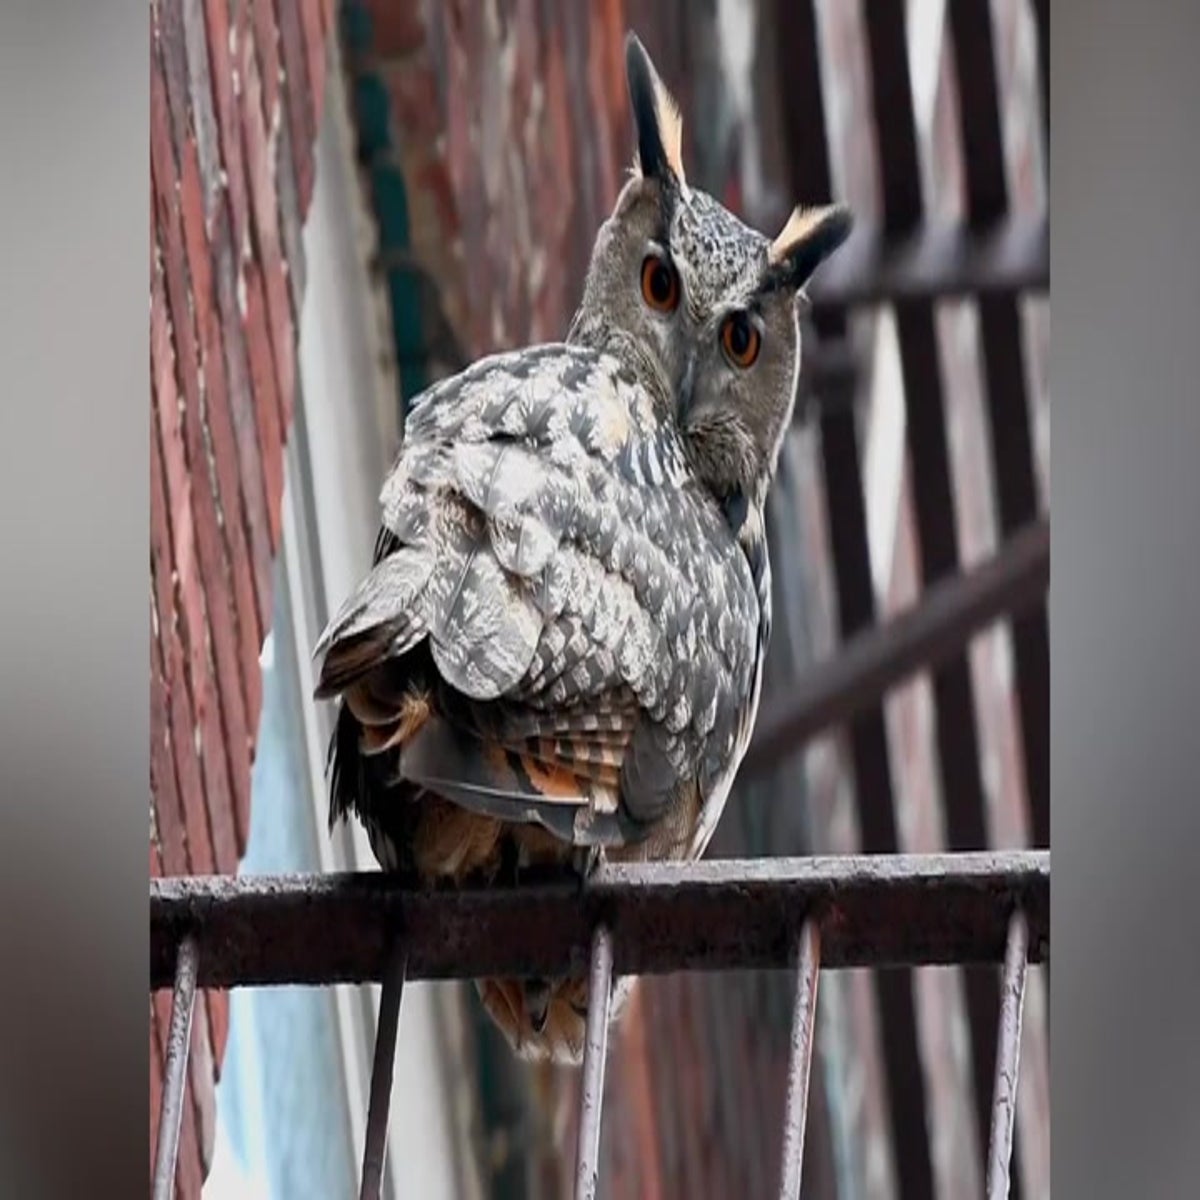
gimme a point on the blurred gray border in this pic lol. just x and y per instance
(74, 649)
(1125, 596)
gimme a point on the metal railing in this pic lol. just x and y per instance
(820, 913)
(881, 909)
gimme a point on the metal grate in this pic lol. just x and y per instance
(822, 913)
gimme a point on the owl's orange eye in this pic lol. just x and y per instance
(660, 284)
(740, 340)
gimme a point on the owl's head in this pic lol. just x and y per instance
(706, 308)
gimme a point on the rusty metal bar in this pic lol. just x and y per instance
(1006, 386)
(929, 262)
(873, 910)
(935, 628)
(927, 437)
(829, 374)
(810, 181)
(179, 1042)
(375, 1143)
(803, 1035)
(1004, 1104)
(595, 1052)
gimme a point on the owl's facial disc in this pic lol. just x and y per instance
(736, 384)
(701, 308)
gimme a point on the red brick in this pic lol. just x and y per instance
(526, 71)
(217, 766)
(413, 93)
(459, 157)
(190, 588)
(315, 48)
(187, 762)
(236, 419)
(298, 100)
(219, 712)
(189, 1170)
(433, 178)
(187, 590)
(206, 524)
(264, 39)
(291, 224)
(236, 614)
(639, 1092)
(202, 1079)
(236, 449)
(229, 124)
(166, 31)
(160, 1016)
(218, 1000)
(266, 224)
(235, 619)
(156, 1082)
(266, 403)
(163, 789)
(396, 29)
(606, 39)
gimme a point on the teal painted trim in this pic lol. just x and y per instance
(414, 380)
(406, 317)
(358, 34)
(389, 196)
(372, 116)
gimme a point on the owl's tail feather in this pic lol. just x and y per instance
(383, 619)
(493, 781)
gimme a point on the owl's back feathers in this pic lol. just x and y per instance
(559, 628)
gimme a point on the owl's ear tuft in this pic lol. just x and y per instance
(810, 236)
(656, 117)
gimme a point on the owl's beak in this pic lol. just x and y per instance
(687, 384)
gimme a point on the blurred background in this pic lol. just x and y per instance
(386, 191)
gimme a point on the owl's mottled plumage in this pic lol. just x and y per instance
(558, 651)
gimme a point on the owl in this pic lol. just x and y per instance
(557, 655)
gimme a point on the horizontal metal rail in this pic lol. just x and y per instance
(870, 910)
(937, 627)
(936, 261)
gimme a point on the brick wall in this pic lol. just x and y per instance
(235, 95)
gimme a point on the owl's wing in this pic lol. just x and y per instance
(587, 621)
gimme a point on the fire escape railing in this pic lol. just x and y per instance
(881, 909)
(819, 913)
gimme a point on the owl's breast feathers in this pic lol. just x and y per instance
(560, 634)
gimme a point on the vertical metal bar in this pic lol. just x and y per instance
(1006, 387)
(591, 1100)
(375, 1143)
(810, 181)
(1004, 1103)
(927, 436)
(803, 1025)
(179, 1042)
